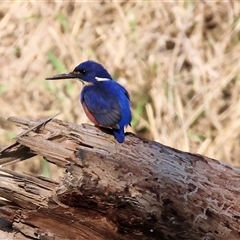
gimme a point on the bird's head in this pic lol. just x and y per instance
(88, 71)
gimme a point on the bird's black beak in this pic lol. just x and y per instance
(64, 76)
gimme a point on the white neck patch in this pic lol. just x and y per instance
(102, 79)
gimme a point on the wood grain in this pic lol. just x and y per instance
(136, 190)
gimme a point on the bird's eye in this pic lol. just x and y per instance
(83, 71)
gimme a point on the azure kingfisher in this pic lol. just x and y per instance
(105, 102)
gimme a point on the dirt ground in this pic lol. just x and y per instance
(179, 61)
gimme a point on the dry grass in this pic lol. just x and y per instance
(179, 60)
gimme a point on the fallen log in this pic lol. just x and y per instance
(136, 190)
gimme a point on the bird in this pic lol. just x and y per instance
(105, 102)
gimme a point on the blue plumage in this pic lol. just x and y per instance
(105, 102)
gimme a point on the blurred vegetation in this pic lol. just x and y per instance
(179, 61)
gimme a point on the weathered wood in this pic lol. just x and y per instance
(136, 190)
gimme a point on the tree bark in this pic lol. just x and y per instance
(136, 190)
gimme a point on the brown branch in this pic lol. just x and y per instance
(136, 190)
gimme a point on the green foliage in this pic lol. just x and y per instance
(3, 88)
(45, 168)
(196, 137)
(57, 64)
(139, 110)
(63, 22)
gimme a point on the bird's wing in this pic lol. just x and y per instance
(102, 105)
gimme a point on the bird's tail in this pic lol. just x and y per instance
(119, 134)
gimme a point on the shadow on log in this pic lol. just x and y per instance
(136, 190)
